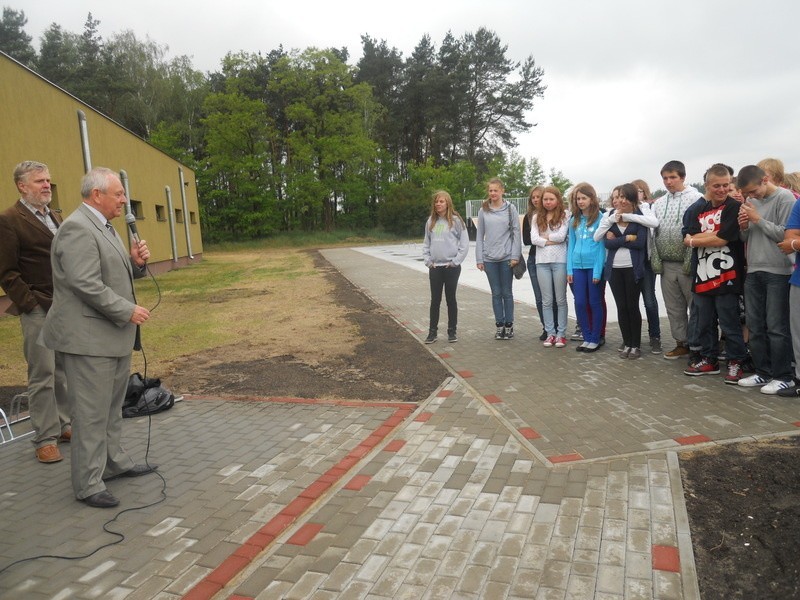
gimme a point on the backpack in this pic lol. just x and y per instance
(146, 397)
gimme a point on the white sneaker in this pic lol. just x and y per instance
(752, 381)
(774, 386)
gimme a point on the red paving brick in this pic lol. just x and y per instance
(357, 482)
(492, 399)
(305, 534)
(561, 458)
(529, 434)
(466, 374)
(423, 417)
(444, 393)
(693, 439)
(394, 445)
(666, 558)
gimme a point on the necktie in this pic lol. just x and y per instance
(110, 228)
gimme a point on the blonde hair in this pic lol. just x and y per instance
(450, 213)
(642, 185)
(773, 167)
(492, 181)
(558, 212)
(792, 181)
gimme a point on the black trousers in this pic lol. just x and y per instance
(447, 278)
(626, 292)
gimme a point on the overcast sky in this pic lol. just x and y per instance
(630, 84)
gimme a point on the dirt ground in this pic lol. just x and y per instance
(743, 500)
(744, 510)
(384, 362)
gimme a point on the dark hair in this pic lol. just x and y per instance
(676, 166)
(749, 175)
(630, 192)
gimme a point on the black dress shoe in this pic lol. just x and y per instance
(790, 392)
(134, 471)
(104, 499)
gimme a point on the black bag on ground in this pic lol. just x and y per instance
(146, 397)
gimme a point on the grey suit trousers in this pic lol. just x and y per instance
(96, 387)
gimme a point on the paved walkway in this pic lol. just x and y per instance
(530, 473)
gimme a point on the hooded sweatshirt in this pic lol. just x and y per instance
(445, 245)
(498, 236)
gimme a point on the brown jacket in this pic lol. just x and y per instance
(25, 271)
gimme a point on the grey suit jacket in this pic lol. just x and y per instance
(93, 295)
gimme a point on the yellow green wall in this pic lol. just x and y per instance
(39, 122)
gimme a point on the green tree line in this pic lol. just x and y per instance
(301, 139)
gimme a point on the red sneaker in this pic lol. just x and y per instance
(735, 372)
(702, 367)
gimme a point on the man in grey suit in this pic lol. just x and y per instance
(26, 234)
(93, 324)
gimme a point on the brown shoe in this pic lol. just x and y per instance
(66, 436)
(49, 454)
(676, 352)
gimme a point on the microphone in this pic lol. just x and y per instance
(131, 221)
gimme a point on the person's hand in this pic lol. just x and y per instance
(630, 238)
(610, 236)
(595, 280)
(140, 253)
(687, 240)
(786, 246)
(140, 315)
(569, 278)
(513, 263)
(480, 266)
(748, 214)
(618, 217)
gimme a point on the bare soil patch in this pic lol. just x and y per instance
(744, 510)
(346, 347)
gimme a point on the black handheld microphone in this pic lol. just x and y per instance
(131, 221)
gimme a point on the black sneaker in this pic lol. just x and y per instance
(543, 337)
(431, 337)
(509, 331)
(452, 337)
(500, 334)
(578, 335)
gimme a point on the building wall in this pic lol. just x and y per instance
(39, 121)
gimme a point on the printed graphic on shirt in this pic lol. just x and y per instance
(716, 267)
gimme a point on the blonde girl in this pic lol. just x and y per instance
(497, 249)
(444, 249)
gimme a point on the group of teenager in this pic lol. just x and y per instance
(725, 259)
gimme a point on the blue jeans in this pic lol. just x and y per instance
(725, 309)
(588, 304)
(537, 290)
(766, 303)
(553, 283)
(500, 279)
(650, 301)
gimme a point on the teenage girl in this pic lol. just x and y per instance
(627, 248)
(498, 247)
(585, 259)
(649, 220)
(534, 202)
(549, 235)
(444, 249)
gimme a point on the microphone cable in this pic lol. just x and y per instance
(120, 537)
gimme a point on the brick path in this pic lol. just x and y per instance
(530, 473)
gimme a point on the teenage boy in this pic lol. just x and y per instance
(671, 255)
(762, 220)
(718, 273)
